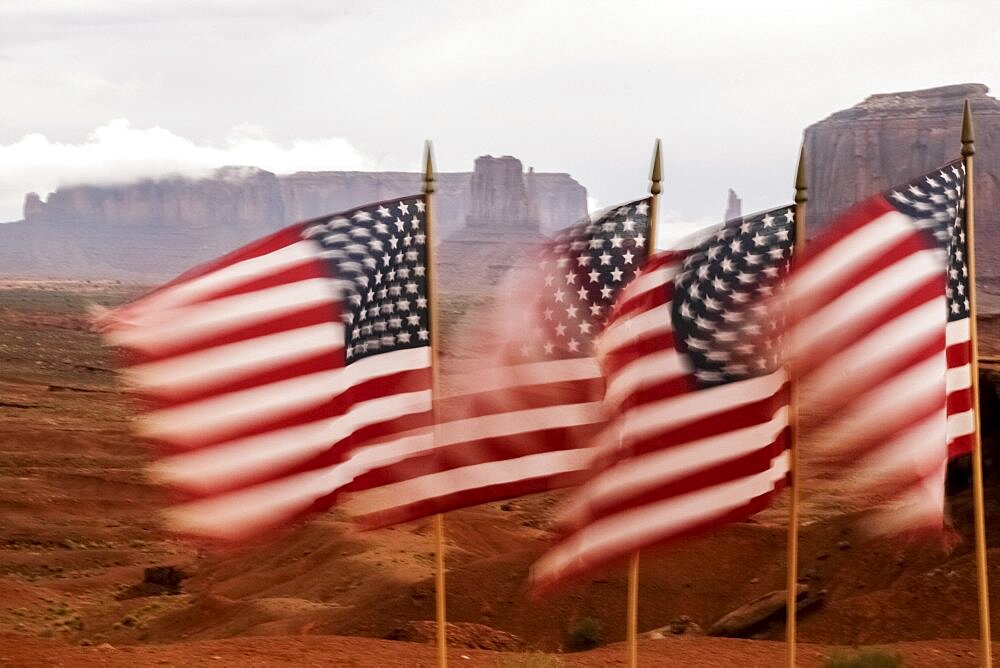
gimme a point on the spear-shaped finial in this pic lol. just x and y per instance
(968, 141)
(428, 168)
(801, 189)
(656, 174)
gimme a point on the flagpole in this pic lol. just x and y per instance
(801, 197)
(968, 150)
(632, 623)
(433, 322)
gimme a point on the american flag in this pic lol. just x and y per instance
(279, 373)
(522, 420)
(881, 367)
(702, 403)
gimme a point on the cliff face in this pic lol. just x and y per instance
(153, 230)
(891, 138)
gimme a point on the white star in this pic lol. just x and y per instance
(574, 345)
(413, 320)
(361, 215)
(421, 302)
(596, 243)
(559, 294)
(548, 348)
(595, 310)
(642, 208)
(585, 327)
(627, 257)
(384, 212)
(548, 314)
(423, 334)
(628, 225)
(640, 241)
(571, 311)
(582, 294)
(616, 274)
(420, 205)
(400, 224)
(594, 276)
(616, 241)
(560, 329)
(583, 261)
(403, 208)
(570, 278)
(549, 279)
(606, 292)
(605, 258)
(768, 220)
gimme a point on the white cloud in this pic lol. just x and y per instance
(119, 153)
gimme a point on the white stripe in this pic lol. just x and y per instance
(655, 521)
(630, 329)
(919, 506)
(201, 422)
(524, 421)
(860, 247)
(916, 450)
(867, 298)
(886, 404)
(636, 475)
(957, 332)
(959, 378)
(226, 363)
(228, 277)
(647, 281)
(160, 330)
(645, 372)
(232, 515)
(961, 424)
(650, 419)
(535, 373)
(845, 372)
(452, 481)
(208, 468)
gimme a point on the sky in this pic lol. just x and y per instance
(103, 91)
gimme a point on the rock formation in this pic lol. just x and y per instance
(503, 226)
(154, 229)
(893, 137)
(734, 206)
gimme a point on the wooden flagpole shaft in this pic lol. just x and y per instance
(632, 620)
(968, 150)
(433, 326)
(801, 197)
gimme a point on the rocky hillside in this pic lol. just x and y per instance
(891, 138)
(152, 230)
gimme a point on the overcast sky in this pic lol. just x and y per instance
(106, 90)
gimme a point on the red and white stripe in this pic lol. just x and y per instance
(242, 364)
(868, 335)
(507, 428)
(961, 417)
(677, 459)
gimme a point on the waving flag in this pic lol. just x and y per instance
(279, 373)
(702, 405)
(522, 419)
(878, 321)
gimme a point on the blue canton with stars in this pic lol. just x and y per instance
(719, 311)
(936, 202)
(378, 256)
(583, 270)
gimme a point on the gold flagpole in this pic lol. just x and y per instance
(432, 315)
(632, 624)
(801, 197)
(968, 150)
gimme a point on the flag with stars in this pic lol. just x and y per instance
(279, 374)
(876, 314)
(522, 418)
(700, 399)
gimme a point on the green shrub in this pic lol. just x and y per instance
(586, 634)
(865, 658)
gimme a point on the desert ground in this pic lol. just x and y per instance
(79, 526)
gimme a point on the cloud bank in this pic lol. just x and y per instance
(118, 153)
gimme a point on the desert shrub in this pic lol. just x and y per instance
(865, 658)
(585, 634)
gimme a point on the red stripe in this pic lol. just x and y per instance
(961, 445)
(960, 401)
(745, 466)
(959, 354)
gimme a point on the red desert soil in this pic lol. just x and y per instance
(79, 523)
